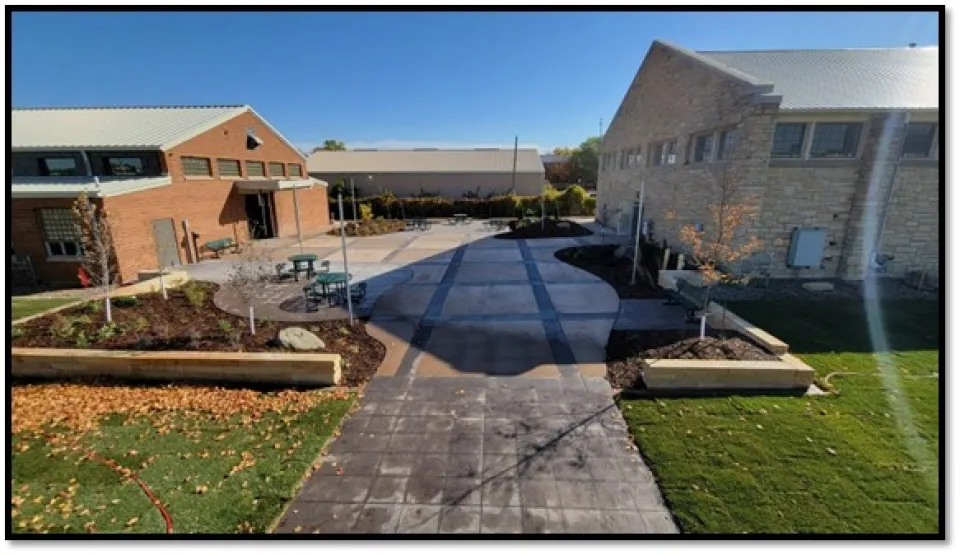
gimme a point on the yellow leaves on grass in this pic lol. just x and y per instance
(246, 460)
(81, 406)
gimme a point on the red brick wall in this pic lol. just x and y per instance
(314, 212)
(26, 237)
(212, 205)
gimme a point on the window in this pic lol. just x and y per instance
(634, 160)
(254, 169)
(276, 169)
(664, 153)
(728, 140)
(228, 168)
(195, 166)
(58, 166)
(703, 148)
(295, 170)
(61, 235)
(918, 140)
(788, 140)
(835, 140)
(623, 159)
(124, 166)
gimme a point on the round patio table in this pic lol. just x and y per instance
(337, 279)
(302, 263)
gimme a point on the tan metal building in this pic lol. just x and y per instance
(446, 172)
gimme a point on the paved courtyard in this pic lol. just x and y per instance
(490, 413)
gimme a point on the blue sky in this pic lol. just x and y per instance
(401, 79)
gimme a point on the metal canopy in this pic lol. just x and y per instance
(253, 186)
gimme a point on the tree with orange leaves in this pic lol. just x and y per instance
(714, 247)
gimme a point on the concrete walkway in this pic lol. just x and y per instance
(490, 413)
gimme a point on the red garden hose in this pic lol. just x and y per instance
(146, 489)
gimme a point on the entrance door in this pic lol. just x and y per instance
(168, 252)
(259, 209)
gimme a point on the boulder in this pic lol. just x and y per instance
(300, 339)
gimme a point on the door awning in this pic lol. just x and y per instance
(253, 186)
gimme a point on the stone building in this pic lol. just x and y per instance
(836, 150)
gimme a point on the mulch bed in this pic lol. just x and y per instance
(366, 228)
(550, 230)
(178, 324)
(625, 349)
(600, 261)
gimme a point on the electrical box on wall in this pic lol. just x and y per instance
(806, 247)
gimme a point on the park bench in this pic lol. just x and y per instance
(218, 245)
(358, 293)
(689, 296)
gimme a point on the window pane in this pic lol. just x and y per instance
(657, 157)
(918, 140)
(295, 169)
(254, 169)
(56, 248)
(70, 248)
(228, 168)
(58, 166)
(788, 140)
(728, 140)
(835, 140)
(196, 166)
(669, 152)
(276, 169)
(59, 224)
(703, 148)
(125, 166)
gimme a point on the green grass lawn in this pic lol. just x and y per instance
(862, 461)
(233, 474)
(26, 306)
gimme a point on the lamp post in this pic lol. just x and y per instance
(353, 199)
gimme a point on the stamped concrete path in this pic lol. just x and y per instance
(490, 413)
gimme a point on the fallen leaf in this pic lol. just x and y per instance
(133, 521)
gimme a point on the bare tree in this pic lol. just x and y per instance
(247, 276)
(99, 256)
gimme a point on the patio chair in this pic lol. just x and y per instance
(324, 267)
(282, 271)
(358, 292)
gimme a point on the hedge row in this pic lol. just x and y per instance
(569, 203)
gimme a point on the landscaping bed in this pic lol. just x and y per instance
(863, 460)
(366, 228)
(550, 228)
(190, 321)
(216, 460)
(601, 261)
(627, 349)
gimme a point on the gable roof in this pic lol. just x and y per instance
(554, 158)
(133, 127)
(848, 79)
(480, 160)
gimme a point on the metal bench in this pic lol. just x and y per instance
(218, 245)
(689, 296)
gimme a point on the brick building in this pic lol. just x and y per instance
(161, 173)
(838, 150)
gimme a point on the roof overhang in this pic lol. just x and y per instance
(251, 186)
(67, 187)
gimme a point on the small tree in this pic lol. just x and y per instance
(246, 278)
(99, 257)
(716, 245)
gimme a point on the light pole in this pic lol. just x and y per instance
(353, 199)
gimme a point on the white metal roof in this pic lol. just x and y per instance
(480, 160)
(854, 79)
(70, 187)
(136, 127)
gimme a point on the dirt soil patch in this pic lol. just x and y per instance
(625, 350)
(601, 261)
(550, 229)
(366, 228)
(190, 321)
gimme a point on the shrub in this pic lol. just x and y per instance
(16, 332)
(140, 324)
(82, 342)
(366, 213)
(61, 328)
(224, 326)
(107, 331)
(195, 293)
(125, 302)
(93, 307)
